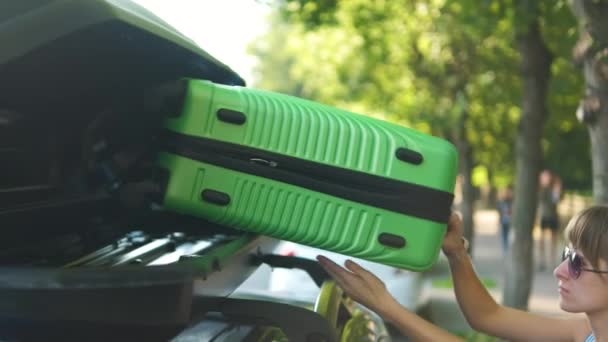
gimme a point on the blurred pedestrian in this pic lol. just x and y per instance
(505, 209)
(549, 196)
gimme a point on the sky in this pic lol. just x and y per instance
(223, 28)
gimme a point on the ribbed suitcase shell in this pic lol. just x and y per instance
(307, 131)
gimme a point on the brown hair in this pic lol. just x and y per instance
(588, 232)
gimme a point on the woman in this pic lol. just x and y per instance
(549, 197)
(582, 282)
(504, 207)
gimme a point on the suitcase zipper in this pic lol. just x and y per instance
(407, 198)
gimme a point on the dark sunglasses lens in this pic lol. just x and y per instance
(574, 265)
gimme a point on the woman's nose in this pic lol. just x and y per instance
(561, 271)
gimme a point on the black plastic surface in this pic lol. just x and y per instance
(391, 240)
(215, 197)
(231, 116)
(409, 156)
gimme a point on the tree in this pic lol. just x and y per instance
(413, 63)
(591, 53)
(449, 68)
(530, 19)
(535, 70)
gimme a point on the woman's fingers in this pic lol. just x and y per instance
(357, 269)
(352, 279)
(354, 267)
(342, 276)
(371, 279)
(360, 284)
(329, 264)
(454, 222)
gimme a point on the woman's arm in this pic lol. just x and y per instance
(479, 308)
(484, 314)
(365, 288)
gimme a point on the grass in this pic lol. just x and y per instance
(446, 283)
(478, 337)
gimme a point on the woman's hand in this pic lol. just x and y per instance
(367, 289)
(360, 284)
(453, 242)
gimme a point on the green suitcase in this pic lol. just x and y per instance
(309, 173)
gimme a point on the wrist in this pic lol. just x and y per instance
(458, 250)
(457, 256)
(389, 310)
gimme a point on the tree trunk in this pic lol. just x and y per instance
(591, 52)
(536, 62)
(468, 191)
(492, 191)
(599, 154)
(465, 168)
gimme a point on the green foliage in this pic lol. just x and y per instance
(478, 337)
(428, 65)
(473, 336)
(310, 12)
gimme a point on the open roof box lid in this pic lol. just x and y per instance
(78, 121)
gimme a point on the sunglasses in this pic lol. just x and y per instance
(575, 263)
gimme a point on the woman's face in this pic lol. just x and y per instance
(588, 293)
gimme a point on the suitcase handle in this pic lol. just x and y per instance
(312, 267)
